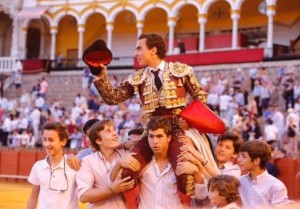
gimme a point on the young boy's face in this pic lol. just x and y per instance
(109, 138)
(244, 161)
(52, 143)
(224, 151)
(216, 199)
(158, 141)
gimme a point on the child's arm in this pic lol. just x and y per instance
(33, 199)
(189, 151)
(126, 161)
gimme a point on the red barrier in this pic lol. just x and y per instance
(40, 155)
(9, 162)
(219, 57)
(287, 175)
(26, 161)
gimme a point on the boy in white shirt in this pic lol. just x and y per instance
(258, 188)
(157, 181)
(53, 181)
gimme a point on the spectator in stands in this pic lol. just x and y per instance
(288, 92)
(258, 188)
(253, 73)
(86, 78)
(278, 119)
(181, 46)
(76, 139)
(270, 132)
(59, 60)
(256, 92)
(93, 185)
(223, 192)
(18, 82)
(2, 79)
(53, 181)
(43, 87)
(80, 101)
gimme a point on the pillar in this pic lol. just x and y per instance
(202, 21)
(270, 13)
(81, 30)
(109, 28)
(235, 16)
(171, 25)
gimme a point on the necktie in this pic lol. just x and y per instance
(157, 80)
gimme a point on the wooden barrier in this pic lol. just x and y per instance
(26, 160)
(9, 162)
(17, 163)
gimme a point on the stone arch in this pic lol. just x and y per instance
(208, 3)
(180, 4)
(148, 6)
(117, 9)
(88, 12)
(62, 13)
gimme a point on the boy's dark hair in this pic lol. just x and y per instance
(94, 131)
(61, 129)
(235, 138)
(155, 40)
(226, 185)
(136, 131)
(89, 124)
(257, 149)
(159, 122)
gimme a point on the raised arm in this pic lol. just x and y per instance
(110, 94)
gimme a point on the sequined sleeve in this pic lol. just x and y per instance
(195, 89)
(111, 95)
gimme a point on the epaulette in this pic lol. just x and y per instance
(138, 77)
(179, 69)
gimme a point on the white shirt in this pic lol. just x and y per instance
(230, 169)
(271, 132)
(49, 199)
(158, 190)
(94, 173)
(265, 190)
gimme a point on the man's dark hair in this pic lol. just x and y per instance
(136, 131)
(61, 129)
(257, 149)
(155, 40)
(89, 124)
(159, 122)
(235, 138)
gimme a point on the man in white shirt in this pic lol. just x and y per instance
(157, 181)
(258, 188)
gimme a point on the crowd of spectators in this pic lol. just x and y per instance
(258, 104)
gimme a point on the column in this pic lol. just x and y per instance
(53, 32)
(235, 16)
(270, 14)
(202, 21)
(22, 44)
(81, 30)
(171, 25)
(109, 28)
(139, 26)
(15, 40)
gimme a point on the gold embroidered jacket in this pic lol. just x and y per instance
(178, 80)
